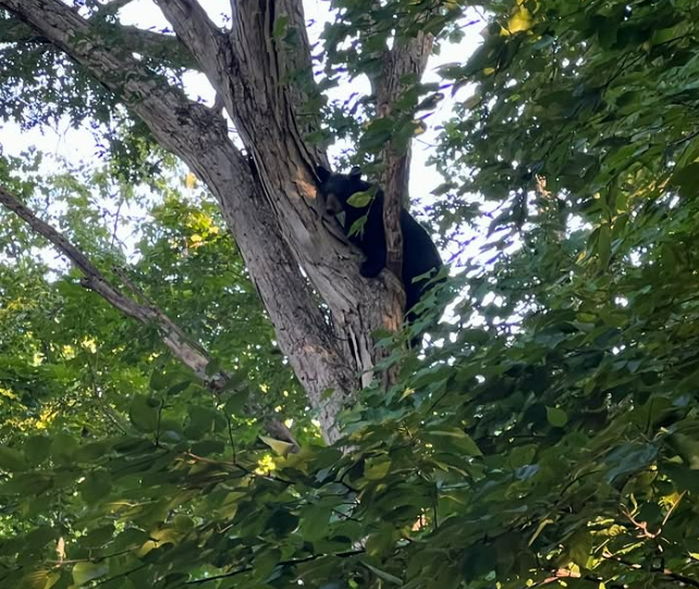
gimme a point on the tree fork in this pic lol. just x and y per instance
(199, 137)
(272, 214)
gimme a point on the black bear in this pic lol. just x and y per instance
(420, 255)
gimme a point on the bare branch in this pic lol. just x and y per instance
(178, 342)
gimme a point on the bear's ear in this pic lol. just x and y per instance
(356, 173)
(322, 173)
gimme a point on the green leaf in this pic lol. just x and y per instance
(202, 421)
(37, 449)
(96, 486)
(556, 417)
(377, 468)
(357, 227)
(63, 447)
(39, 537)
(236, 401)
(381, 543)
(280, 447)
(28, 484)
(208, 447)
(453, 439)
(629, 458)
(604, 248)
(478, 561)
(685, 478)
(83, 572)
(280, 25)
(91, 451)
(283, 522)
(11, 459)
(381, 574)
(687, 447)
(686, 180)
(41, 579)
(580, 548)
(99, 536)
(313, 522)
(360, 199)
(144, 412)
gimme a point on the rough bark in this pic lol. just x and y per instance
(407, 57)
(251, 72)
(269, 206)
(184, 348)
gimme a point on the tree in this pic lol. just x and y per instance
(261, 73)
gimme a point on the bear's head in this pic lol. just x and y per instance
(337, 188)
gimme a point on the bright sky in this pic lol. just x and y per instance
(75, 145)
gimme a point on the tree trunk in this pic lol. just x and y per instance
(295, 255)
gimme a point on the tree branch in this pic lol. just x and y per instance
(408, 57)
(156, 46)
(149, 43)
(175, 339)
(183, 348)
(200, 35)
(658, 570)
(250, 58)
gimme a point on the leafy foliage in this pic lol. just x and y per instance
(547, 437)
